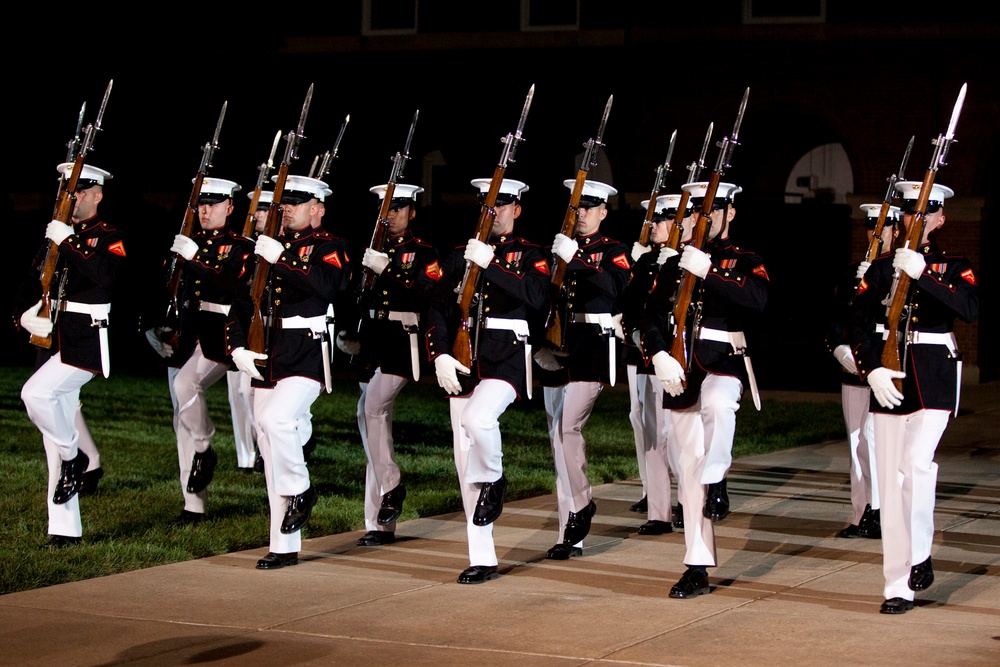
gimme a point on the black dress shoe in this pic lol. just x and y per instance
(563, 551)
(578, 523)
(641, 506)
(202, 470)
(246, 470)
(59, 541)
(478, 574)
(299, 510)
(693, 583)
(392, 505)
(70, 478)
(258, 464)
(374, 538)
(896, 606)
(88, 484)
(490, 503)
(186, 518)
(679, 517)
(851, 532)
(871, 524)
(273, 561)
(921, 576)
(653, 527)
(716, 501)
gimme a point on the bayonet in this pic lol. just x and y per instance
(511, 141)
(95, 127)
(906, 158)
(594, 146)
(942, 143)
(399, 162)
(694, 171)
(269, 165)
(728, 144)
(74, 143)
(208, 150)
(331, 155)
(670, 152)
(312, 167)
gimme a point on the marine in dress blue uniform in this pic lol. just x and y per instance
(308, 268)
(91, 253)
(512, 292)
(733, 285)
(909, 424)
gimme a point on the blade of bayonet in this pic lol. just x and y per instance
(696, 167)
(604, 118)
(104, 104)
(305, 112)
(953, 123)
(312, 167)
(79, 121)
(409, 136)
(340, 136)
(274, 149)
(670, 152)
(739, 115)
(524, 113)
(218, 125)
(906, 158)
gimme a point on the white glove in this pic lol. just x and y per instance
(695, 261)
(348, 345)
(547, 360)
(910, 262)
(844, 355)
(669, 373)
(862, 269)
(184, 246)
(163, 349)
(57, 231)
(268, 248)
(885, 392)
(666, 252)
(37, 326)
(638, 250)
(565, 247)
(619, 331)
(479, 253)
(243, 358)
(375, 260)
(446, 367)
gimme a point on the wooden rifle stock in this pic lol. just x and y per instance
(251, 220)
(899, 294)
(682, 299)
(65, 203)
(462, 347)
(674, 239)
(378, 241)
(256, 336)
(553, 323)
(172, 321)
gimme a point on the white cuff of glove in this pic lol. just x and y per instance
(884, 391)
(565, 248)
(479, 253)
(695, 261)
(57, 231)
(666, 252)
(35, 325)
(375, 260)
(446, 368)
(268, 248)
(910, 262)
(244, 360)
(669, 372)
(638, 250)
(348, 345)
(547, 360)
(165, 350)
(843, 354)
(184, 246)
(862, 269)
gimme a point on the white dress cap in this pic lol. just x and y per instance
(725, 190)
(92, 175)
(401, 191)
(911, 190)
(875, 210)
(664, 203)
(218, 186)
(508, 187)
(300, 189)
(265, 199)
(592, 189)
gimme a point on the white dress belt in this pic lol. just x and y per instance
(98, 311)
(930, 338)
(209, 307)
(520, 329)
(605, 320)
(407, 319)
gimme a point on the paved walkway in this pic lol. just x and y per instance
(786, 591)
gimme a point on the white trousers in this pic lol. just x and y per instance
(554, 399)
(194, 426)
(861, 440)
(381, 473)
(475, 425)
(52, 399)
(700, 431)
(907, 482)
(635, 417)
(239, 407)
(279, 412)
(569, 446)
(660, 450)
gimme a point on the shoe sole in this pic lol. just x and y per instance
(893, 611)
(276, 566)
(677, 595)
(488, 577)
(575, 553)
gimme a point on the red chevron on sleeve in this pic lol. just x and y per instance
(334, 258)
(433, 270)
(968, 276)
(762, 272)
(542, 266)
(622, 261)
(117, 248)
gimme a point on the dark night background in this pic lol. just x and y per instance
(865, 77)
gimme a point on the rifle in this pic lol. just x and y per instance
(65, 203)
(382, 223)
(265, 169)
(682, 298)
(899, 297)
(256, 336)
(694, 172)
(553, 323)
(171, 331)
(661, 172)
(331, 155)
(467, 290)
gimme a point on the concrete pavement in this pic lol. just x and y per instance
(786, 590)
